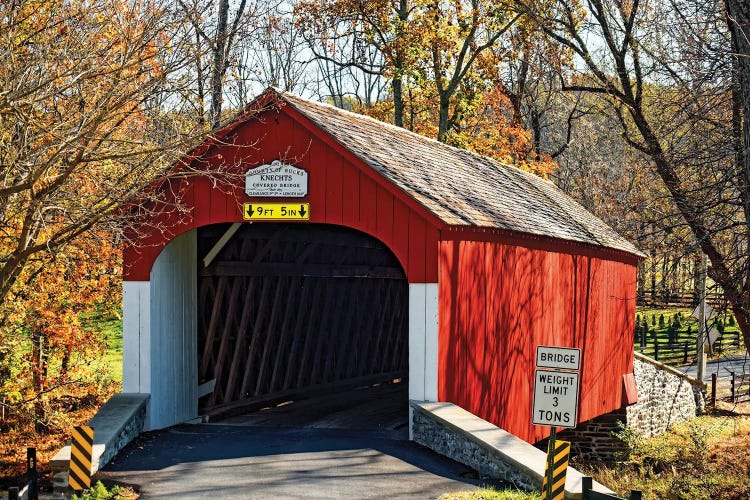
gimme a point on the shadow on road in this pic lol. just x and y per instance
(319, 457)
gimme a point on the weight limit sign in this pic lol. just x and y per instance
(555, 398)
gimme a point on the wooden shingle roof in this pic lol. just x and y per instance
(461, 188)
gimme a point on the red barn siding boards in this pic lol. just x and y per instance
(611, 309)
(384, 221)
(370, 204)
(368, 208)
(537, 295)
(334, 183)
(350, 197)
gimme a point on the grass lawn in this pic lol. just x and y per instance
(673, 327)
(490, 494)
(110, 331)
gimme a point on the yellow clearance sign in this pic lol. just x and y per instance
(276, 211)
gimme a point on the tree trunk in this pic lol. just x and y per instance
(397, 84)
(738, 13)
(200, 83)
(398, 99)
(217, 71)
(443, 123)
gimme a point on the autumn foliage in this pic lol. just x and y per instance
(82, 130)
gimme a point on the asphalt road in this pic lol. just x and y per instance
(723, 367)
(225, 461)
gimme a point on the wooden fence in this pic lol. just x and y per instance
(686, 299)
(30, 488)
(739, 387)
(680, 352)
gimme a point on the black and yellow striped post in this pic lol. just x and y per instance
(81, 448)
(558, 452)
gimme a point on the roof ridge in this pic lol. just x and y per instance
(400, 130)
(458, 186)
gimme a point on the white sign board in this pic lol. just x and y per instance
(566, 358)
(713, 335)
(697, 311)
(555, 398)
(276, 180)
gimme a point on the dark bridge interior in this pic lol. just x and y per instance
(289, 311)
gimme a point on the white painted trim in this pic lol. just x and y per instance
(416, 341)
(423, 341)
(173, 368)
(431, 342)
(136, 331)
(211, 255)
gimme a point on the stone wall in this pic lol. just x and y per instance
(594, 439)
(665, 397)
(461, 448)
(131, 430)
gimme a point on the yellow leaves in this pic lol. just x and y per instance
(14, 397)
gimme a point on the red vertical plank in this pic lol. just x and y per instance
(474, 294)
(368, 205)
(432, 237)
(384, 219)
(316, 179)
(218, 204)
(234, 203)
(417, 236)
(459, 307)
(272, 149)
(493, 344)
(591, 364)
(201, 199)
(334, 187)
(295, 142)
(465, 308)
(447, 366)
(177, 222)
(350, 196)
(400, 243)
(299, 144)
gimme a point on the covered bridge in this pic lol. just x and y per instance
(396, 256)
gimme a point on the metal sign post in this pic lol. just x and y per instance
(558, 453)
(550, 462)
(556, 382)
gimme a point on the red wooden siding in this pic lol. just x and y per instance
(499, 301)
(340, 192)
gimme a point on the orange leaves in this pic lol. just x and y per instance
(80, 121)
